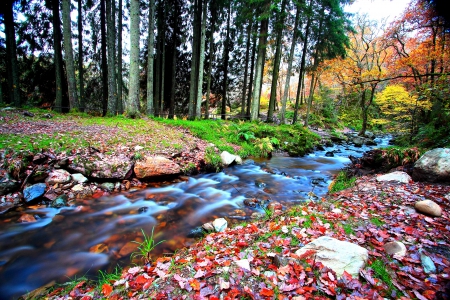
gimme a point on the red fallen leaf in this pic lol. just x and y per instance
(307, 253)
(106, 289)
(86, 298)
(241, 244)
(265, 292)
(254, 228)
(409, 230)
(322, 229)
(97, 194)
(182, 261)
(194, 284)
(429, 294)
(383, 234)
(141, 279)
(212, 297)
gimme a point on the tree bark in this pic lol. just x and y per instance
(247, 54)
(194, 62)
(68, 50)
(198, 112)
(13, 73)
(112, 84)
(82, 104)
(163, 60)
(133, 98)
(104, 57)
(57, 55)
(211, 57)
(276, 65)
(252, 68)
(151, 42)
(119, 61)
(289, 68)
(259, 69)
(225, 72)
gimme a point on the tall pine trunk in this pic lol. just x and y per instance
(247, 54)
(252, 68)
(104, 57)
(276, 65)
(259, 69)
(289, 68)
(119, 61)
(112, 84)
(198, 112)
(133, 97)
(163, 60)
(151, 46)
(68, 50)
(194, 62)
(211, 58)
(57, 55)
(13, 73)
(82, 104)
(225, 72)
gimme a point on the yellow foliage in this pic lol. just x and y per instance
(396, 102)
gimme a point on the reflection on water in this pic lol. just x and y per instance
(96, 234)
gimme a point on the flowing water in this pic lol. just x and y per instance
(96, 234)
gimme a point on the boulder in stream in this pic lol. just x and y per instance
(102, 166)
(34, 191)
(154, 166)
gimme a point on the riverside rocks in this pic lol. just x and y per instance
(338, 255)
(428, 207)
(433, 166)
(155, 166)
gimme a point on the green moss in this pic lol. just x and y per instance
(341, 182)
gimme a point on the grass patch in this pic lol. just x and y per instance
(341, 182)
(379, 268)
(145, 247)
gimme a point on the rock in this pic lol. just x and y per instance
(358, 141)
(238, 160)
(280, 261)
(209, 227)
(58, 176)
(329, 154)
(59, 202)
(196, 233)
(227, 158)
(428, 207)
(220, 224)
(395, 176)
(395, 248)
(107, 186)
(138, 148)
(260, 183)
(433, 166)
(127, 249)
(103, 167)
(26, 218)
(34, 191)
(79, 178)
(155, 166)
(28, 114)
(336, 210)
(427, 264)
(39, 158)
(77, 188)
(370, 135)
(8, 185)
(338, 255)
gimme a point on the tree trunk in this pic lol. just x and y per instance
(57, 55)
(211, 57)
(13, 74)
(198, 112)
(112, 84)
(119, 61)
(225, 72)
(133, 98)
(82, 104)
(259, 69)
(276, 65)
(70, 66)
(302, 67)
(104, 57)
(194, 62)
(174, 76)
(252, 68)
(289, 68)
(151, 46)
(247, 54)
(311, 95)
(163, 60)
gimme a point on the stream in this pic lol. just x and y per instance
(97, 234)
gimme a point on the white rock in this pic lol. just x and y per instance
(395, 176)
(244, 264)
(78, 177)
(58, 176)
(238, 160)
(337, 210)
(227, 158)
(220, 224)
(137, 148)
(338, 255)
(78, 188)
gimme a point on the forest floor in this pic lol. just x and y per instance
(257, 260)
